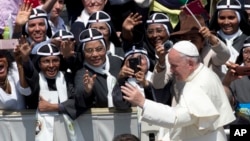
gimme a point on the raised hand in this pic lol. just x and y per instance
(67, 48)
(128, 25)
(206, 33)
(231, 74)
(141, 78)
(131, 21)
(24, 13)
(24, 49)
(126, 71)
(88, 82)
(133, 95)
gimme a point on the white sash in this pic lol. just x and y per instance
(45, 120)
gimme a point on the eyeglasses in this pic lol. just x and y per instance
(157, 31)
(91, 50)
(48, 62)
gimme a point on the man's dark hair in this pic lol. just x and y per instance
(126, 137)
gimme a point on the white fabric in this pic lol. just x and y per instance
(134, 82)
(111, 49)
(84, 17)
(111, 80)
(15, 100)
(46, 119)
(187, 48)
(229, 42)
(199, 109)
(101, 124)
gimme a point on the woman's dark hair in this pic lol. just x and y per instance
(7, 54)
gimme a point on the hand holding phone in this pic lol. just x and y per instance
(133, 62)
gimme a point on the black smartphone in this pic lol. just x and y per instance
(133, 62)
(242, 70)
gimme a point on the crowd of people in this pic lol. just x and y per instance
(179, 68)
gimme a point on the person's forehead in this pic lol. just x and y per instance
(155, 25)
(37, 20)
(226, 11)
(93, 43)
(98, 24)
(50, 57)
(247, 48)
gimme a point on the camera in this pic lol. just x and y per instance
(133, 62)
(168, 44)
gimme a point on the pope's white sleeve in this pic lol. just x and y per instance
(166, 116)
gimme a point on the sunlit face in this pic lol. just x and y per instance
(195, 38)
(228, 21)
(144, 64)
(92, 6)
(246, 56)
(94, 53)
(3, 68)
(37, 29)
(157, 34)
(57, 9)
(103, 28)
(179, 65)
(49, 66)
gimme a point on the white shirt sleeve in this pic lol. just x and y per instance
(166, 116)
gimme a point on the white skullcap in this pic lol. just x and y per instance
(186, 48)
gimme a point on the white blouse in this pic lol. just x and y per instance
(15, 100)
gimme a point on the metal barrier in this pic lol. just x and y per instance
(97, 124)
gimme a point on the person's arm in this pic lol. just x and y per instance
(221, 52)
(19, 61)
(231, 74)
(21, 18)
(161, 73)
(48, 5)
(45, 106)
(22, 84)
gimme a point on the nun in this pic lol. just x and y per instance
(51, 96)
(230, 23)
(102, 22)
(96, 79)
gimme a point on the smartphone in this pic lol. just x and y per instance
(8, 44)
(133, 62)
(242, 70)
